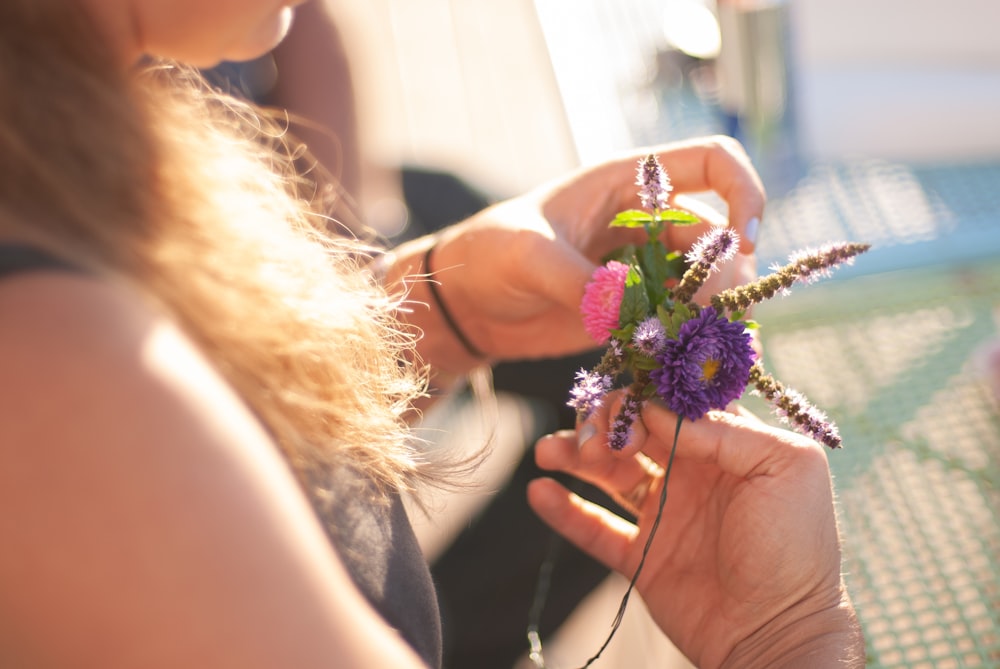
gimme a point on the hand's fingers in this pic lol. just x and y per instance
(558, 272)
(738, 445)
(716, 164)
(592, 528)
(720, 164)
(559, 451)
(545, 267)
(595, 430)
(683, 237)
(606, 416)
(592, 462)
(706, 212)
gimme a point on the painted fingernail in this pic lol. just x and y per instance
(753, 226)
(585, 433)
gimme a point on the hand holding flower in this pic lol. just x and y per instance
(694, 358)
(719, 560)
(745, 567)
(513, 275)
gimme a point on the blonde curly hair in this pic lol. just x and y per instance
(152, 178)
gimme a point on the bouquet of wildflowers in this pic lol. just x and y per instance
(640, 304)
(694, 358)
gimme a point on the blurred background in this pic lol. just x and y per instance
(869, 120)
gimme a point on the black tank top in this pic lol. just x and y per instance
(375, 540)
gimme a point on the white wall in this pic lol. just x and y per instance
(897, 79)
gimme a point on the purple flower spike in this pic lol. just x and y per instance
(814, 264)
(621, 428)
(805, 267)
(715, 246)
(654, 184)
(706, 367)
(650, 336)
(792, 407)
(588, 393)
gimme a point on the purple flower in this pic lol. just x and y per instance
(793, 407)
(588, 392)
(805, 266)
(814, 264)
(706, 367)
(654, 183)
(621, 427)
(717, 245)
(649, 336)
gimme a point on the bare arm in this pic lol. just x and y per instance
(148, 519)
(513, 275)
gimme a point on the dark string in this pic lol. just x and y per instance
(445, 314)
(545, 574)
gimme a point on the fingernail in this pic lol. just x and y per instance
(585, 433)
(753, 226)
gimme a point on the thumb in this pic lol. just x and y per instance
(739, 445)
(561, 276)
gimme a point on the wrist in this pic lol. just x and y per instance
(442, 341)
(827, 637)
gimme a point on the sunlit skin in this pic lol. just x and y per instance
(223, 30)
(748, 506)
(158, 523)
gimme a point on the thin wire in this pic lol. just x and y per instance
(542, 588)
(545, 573)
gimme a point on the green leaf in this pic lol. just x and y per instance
(667, 318)
(677, 217)
(676, 265)
(751, 324)
(634, 275)
(644, 363)
(635, 302)
(624, 334)
(632, 218)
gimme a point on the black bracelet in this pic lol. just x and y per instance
(448, 318)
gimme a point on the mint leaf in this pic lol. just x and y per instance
(632, 218)
(677, 217)
(635, 302)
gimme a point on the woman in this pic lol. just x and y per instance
(204, 399)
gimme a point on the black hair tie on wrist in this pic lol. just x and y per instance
(448, 318)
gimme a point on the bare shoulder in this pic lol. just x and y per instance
(50, 313)
(148, 518)
(83, 356)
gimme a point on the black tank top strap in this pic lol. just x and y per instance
(20, 258)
